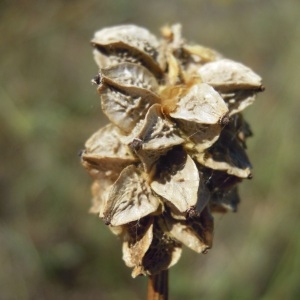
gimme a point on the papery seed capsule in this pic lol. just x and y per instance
(127, 91)
(128, 43)
(227, 75)
(201, 105)
(105, 152)
(130, 198)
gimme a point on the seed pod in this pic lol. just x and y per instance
(163, 252)
(127, 91)
(177, 181)
(128, 77)
(130, 198)
(199, 114)
(201, 105)
(100, 190)
(237, 101)
(204, 54)
(225, 200)
(157, 135)
(196, 234)
(219, 180)
(199, 137)
(137, 240)
(228, 155)
(127, 43)
(106, 153)
(226, 75)
(241, 128)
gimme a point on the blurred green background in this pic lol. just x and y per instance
(50, 247)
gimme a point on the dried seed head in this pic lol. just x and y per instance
(175, 149)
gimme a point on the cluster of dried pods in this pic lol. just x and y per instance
(174, 151)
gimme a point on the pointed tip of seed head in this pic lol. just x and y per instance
(80, 152)
(106, 220)
(136, 145)
(225, 120)
(205, 251)
(96, 79)
(192, 213)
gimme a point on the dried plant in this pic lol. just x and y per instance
(174, 151)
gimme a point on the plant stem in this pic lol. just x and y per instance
(158, 286)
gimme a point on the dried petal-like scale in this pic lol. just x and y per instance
(199, 114)
(130, 198)
(225, 200)
(137, 240)
(196, 233)
(239, 100)
(127, 91)
(106, 153)
(127, 43)
(177, 180)
(163, 252)
(158, 132)
(130, 36)
(199, 137)
(219, 180)
(100, 191)
(203, 198)
(174, 70)
(173, 35)
(201, 105)
(203, 53)
(241, 128)
(129, 77)
(227, 154)
(157, 135)
(227, 75)
(176, 57)
(203, 225)
(183, 60)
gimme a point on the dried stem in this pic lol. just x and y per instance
(158, 286)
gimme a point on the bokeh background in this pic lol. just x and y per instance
(50, 247)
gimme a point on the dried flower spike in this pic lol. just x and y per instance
(174, 151)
